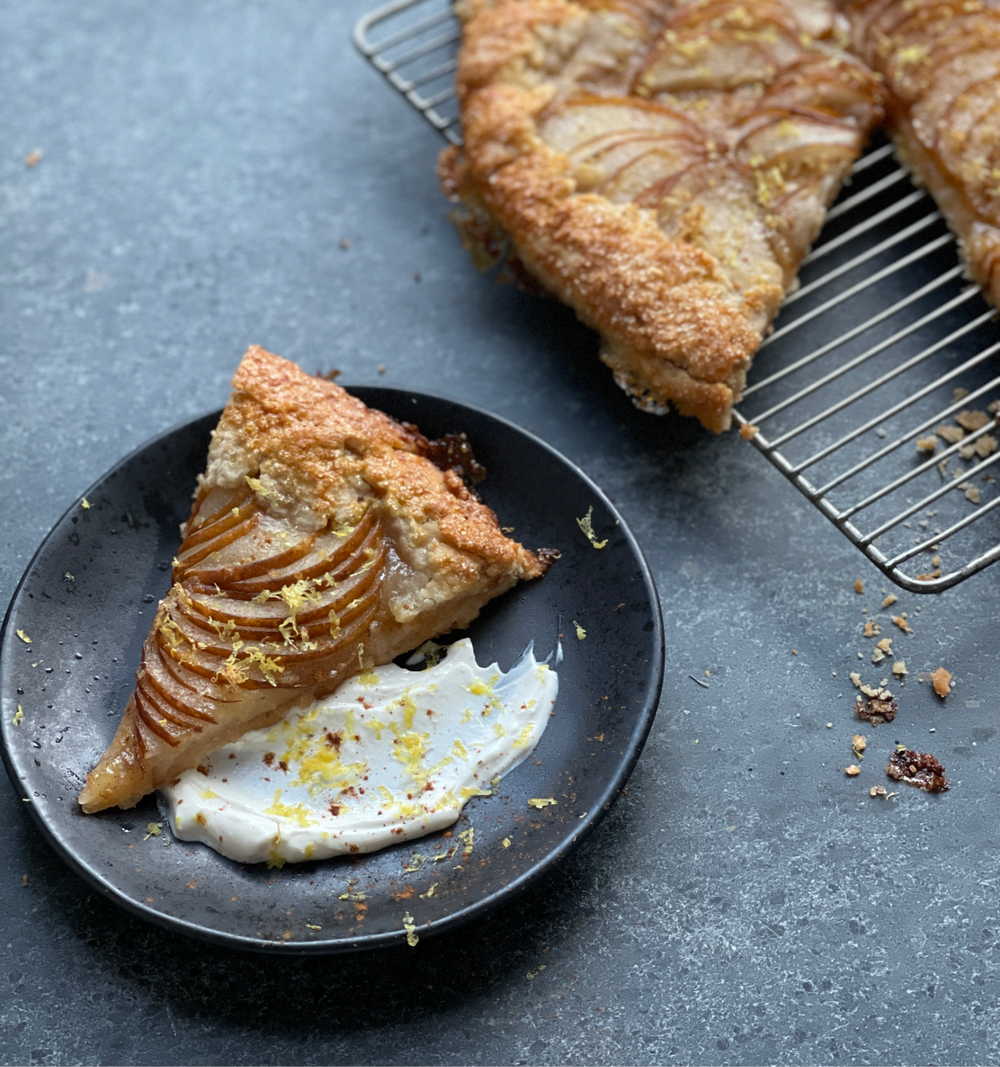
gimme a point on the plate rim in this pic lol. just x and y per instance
(499, 897)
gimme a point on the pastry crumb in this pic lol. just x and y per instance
(32, 159)
(747, 431)
(951, 434)
(920, 769)
(942, 682)
(972, 420)
(876, 707)
(852, 771)
(890, 600)
(927, 444)
(859, 585)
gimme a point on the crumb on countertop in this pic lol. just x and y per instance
(920, 769)
(876, 706)
(942, 682)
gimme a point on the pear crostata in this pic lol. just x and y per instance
(322, 541)
(662, 167)
(941, 64)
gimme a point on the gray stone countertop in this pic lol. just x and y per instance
(745, 902)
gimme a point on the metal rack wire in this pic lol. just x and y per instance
(883, 343)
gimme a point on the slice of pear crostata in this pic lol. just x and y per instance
(662, 167)
(322, 541)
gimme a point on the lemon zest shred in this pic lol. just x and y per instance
(586, 524)
(412, 937)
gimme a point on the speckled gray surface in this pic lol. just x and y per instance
(745, 902)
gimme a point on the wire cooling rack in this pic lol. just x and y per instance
(871, 394)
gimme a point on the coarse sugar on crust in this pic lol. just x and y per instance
(670, 210)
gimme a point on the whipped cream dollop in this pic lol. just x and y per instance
(393, 754)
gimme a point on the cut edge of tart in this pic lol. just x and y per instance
(322, 541)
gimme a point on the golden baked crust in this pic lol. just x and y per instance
(321, 541)
(941, 64)
(661, 167)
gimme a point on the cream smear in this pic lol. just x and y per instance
(393, 754)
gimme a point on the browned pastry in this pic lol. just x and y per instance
(941, 64)
(660, 166)
(321, 541)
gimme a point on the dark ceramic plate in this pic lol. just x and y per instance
(86, 603)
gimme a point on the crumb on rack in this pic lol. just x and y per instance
(747, 431)
(972, 420)
(951, 434)
(927, 444)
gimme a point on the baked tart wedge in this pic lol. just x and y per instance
(941, 65)
(662, 167)
(322, 541)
